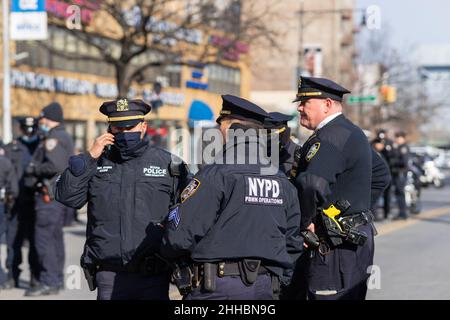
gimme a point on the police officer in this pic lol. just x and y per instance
(399, 173)
(335, 164)
(8, 192)
(384, 146)
(50, 158)
(278, 123)
(129, 186)
(236, 225)
(22, 219)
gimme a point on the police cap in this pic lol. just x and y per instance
(28, 124)
(277, 120)
(319, 88)
(238, 108)
(125, 113)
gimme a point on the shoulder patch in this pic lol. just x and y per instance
(190, 189)
(50, 144)
(312, 151)
(174, 217)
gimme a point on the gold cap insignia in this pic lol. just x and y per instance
(122, 105)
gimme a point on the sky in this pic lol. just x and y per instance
(414, 22)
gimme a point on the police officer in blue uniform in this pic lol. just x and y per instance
(49, 159)
(399, 173)
(335, 165)
(278, 123)
(129, 186)
(8, 192)
(22, 218)
(385, 147)
(236, 225)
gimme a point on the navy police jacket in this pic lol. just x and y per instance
(127, 195)
(233, 211)
(335, 164)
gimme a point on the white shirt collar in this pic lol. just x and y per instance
(327, 120)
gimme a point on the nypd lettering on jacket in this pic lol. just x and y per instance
(263, 191)
(154, 171)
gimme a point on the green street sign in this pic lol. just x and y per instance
(355, 99)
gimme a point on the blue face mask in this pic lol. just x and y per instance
(28, 139)
(44, 128)
(125, 141)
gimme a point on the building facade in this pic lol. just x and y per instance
(316, 39)
(190, 92)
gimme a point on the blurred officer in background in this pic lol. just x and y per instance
(50, 158)
(237, 228)
(23, 216)
(8, 192)
(335, 165)
(278, 124)
(384, 146)
(399, 173)
(129, 186)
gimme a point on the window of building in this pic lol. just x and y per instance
(77, 129)
(222, 79)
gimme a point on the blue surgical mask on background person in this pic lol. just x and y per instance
(44, 128)
(29, 139)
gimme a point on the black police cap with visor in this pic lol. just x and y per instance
(28, 124)
(124, 112)
(239, 108)
(319, 88)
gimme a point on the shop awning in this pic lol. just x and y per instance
(200, 114)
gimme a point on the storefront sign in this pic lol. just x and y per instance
(45, 82)
(58, 8)
(233, 50)
(28, 20)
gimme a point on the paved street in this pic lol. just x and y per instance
(413, 256)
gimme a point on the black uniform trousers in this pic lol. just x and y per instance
(399, 183)
(131, 286)
(20, 228)
(232, 288)
(49, 241)
(342, 273)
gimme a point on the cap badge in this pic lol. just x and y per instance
(122, 105)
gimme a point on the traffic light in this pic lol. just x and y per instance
(389, 94)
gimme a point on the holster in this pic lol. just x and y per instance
(210, 274)
(182, 277)
(89, 274)
(248, 270)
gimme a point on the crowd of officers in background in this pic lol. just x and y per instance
(31, 166)
(28, 211)
(396, 153)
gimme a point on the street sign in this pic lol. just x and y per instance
(356, 99)
(28, 20)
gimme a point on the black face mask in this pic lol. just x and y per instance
(126, 141)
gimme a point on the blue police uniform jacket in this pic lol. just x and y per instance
(20, 153)
(52, 155)
(127, 195)
(335, 164)
(231, 211)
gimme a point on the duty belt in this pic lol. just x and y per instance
(359, 219)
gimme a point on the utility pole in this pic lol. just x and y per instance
(7, 130)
